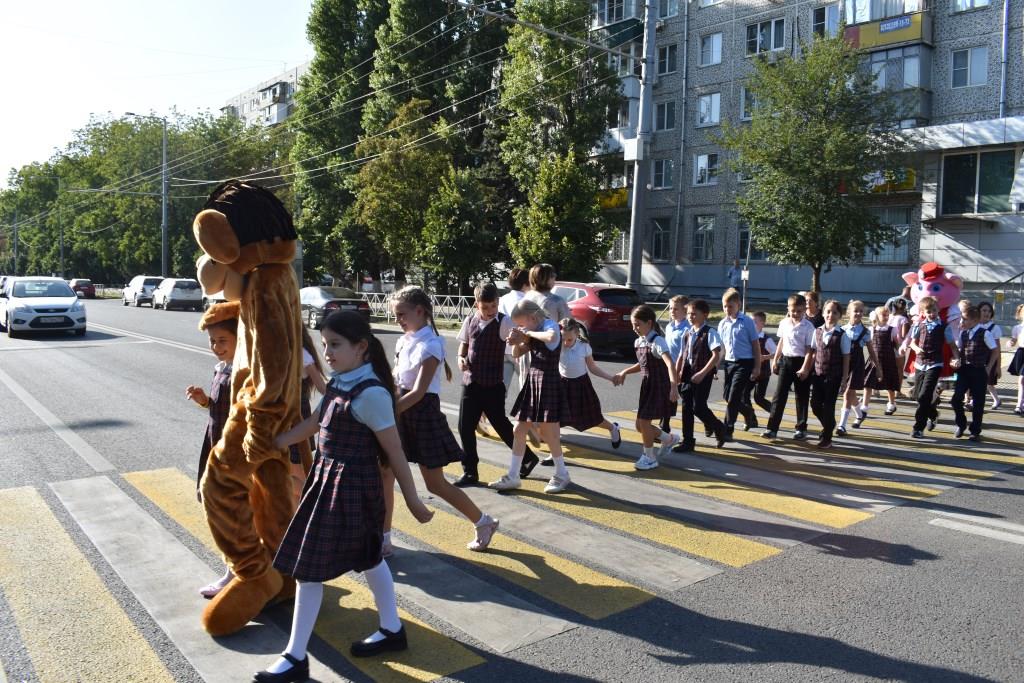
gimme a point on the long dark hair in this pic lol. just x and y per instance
(645, 313)
(417, 296)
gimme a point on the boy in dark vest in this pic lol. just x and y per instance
(482, 362)
(928, 339)
(700, 352)
(978, 355)
(831, 369)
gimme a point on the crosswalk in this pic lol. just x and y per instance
(617, 540)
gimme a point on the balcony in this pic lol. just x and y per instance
(906, 28)
(616, 22)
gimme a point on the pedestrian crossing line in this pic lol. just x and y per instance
(583, 590)
(70, 624)
(720, 546)
(764, 499)
(348, 612)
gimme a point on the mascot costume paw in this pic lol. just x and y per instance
(248, 244)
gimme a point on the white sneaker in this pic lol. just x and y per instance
(506, 483)
(616, 435)
(485, 531)
(667, 444)
(557, 484)
(996, 404)
(646, 462)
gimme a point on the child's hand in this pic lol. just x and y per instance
(194, 393)
(516, 336)
(698, 377)
(803, 374)
(673, 394)
(955, 363)
(421, 512)
(463, 363)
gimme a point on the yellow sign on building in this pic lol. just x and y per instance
(907, 28)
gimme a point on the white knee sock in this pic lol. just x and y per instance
(845, 416)
(383, 587)
(515, 466)
(308, 596)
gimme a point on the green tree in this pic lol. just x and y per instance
(461, 238)
(814, 137)
(562, 223)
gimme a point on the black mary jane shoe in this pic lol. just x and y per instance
(392, 642)
(529, 462)
(298, 672)
(467, 479)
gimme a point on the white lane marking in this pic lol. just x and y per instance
(157, 340)
(979, 531)
(86, 452)
(80, 345)
(984, 521)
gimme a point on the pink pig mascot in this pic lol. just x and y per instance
(933, 280)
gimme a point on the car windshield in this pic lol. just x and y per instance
(40, 288)
(83, 283)
(186, 285)
(619, 297)
(152, 281)
(338, 292)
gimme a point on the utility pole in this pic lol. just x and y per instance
(164, 252)
(60, 225)
(642, 165)
(15, 226)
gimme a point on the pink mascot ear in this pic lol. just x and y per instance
(957, 281)
(910, 278)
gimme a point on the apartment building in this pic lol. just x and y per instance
(961, 201)
(268, 103)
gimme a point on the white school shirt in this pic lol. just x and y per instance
(411, 350)
(655, 343)
(373, 406)
(989, 339)
(503, 330)
(796, 338)
(996, 330)
(826, 336)
(769, 346)
(508, 301)
(1018, 334)
(897, 322)
(572, 362)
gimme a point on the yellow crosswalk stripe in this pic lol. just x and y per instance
(348, 613)
(720, 546)
(72, 627)
(583, 590)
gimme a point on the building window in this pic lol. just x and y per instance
(618, 116)
(745, 243)
(964, 5)
(662, 174)
(711, 49)
(977, 182)
(900, 69)
(860, 11)
(705, 169)
(666, 59)
(665, 116)
(609, 11)
(748, 103)
(624, 66)
(667, 8)
(661, 240)
(703, 239)
(766, 36)
(709, 109)
(620, 245)
(708, 3)
(970, 67)
(895, 248)
(826, 21)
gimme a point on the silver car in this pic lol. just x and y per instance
(40, 304)
(176, 292)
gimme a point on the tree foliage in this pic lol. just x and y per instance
(813, 139)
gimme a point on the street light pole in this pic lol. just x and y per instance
(60, 224)
(164, 252)
(642, 165)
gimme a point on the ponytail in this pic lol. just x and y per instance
(573, 325)
(645, 313)
(416, 296)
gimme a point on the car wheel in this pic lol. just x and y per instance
(10, 329)
(137, 302)
(80, 333)
(124, 302)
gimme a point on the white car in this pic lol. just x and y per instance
(40, 304)
(176, 292)
(140, 290)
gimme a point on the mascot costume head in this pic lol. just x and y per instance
(248, 244)
(933, 280)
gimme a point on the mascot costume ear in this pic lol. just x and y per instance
(248, 244)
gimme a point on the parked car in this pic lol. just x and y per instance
(140, 290)
(178, 292)
(84, 287)
(604, 310)
(40, 304)
(319, 302)
(211, 299)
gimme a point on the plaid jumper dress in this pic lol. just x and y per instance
(655, 387)
(884, 342)
(339, 524)
(542, 398)
(857, 364)
(218, 407)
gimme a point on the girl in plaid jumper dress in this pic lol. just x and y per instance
(426, 436)
(339, 522)
(885, 343)
(860, 338)
(541, 403)
(987, 315)
(575, 364)
(220, 322)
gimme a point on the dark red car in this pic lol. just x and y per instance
(83, 286)
(604, 309)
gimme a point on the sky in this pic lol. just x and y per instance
(66, 60)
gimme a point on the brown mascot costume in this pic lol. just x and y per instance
(248, 242)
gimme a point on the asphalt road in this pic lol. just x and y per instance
(878, 562)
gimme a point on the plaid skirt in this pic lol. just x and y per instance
(541, 398)
(426, 437)
(654, 403)
(1017, 363)
(857, 367)
(583, 404)
(892, 374)
(339, 524)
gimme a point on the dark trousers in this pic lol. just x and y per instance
(824, 394)
(925, 382)
(694, 398)
(737, 390)
(973, 380)
(789, 366)
(761, 387)
(476, 401)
